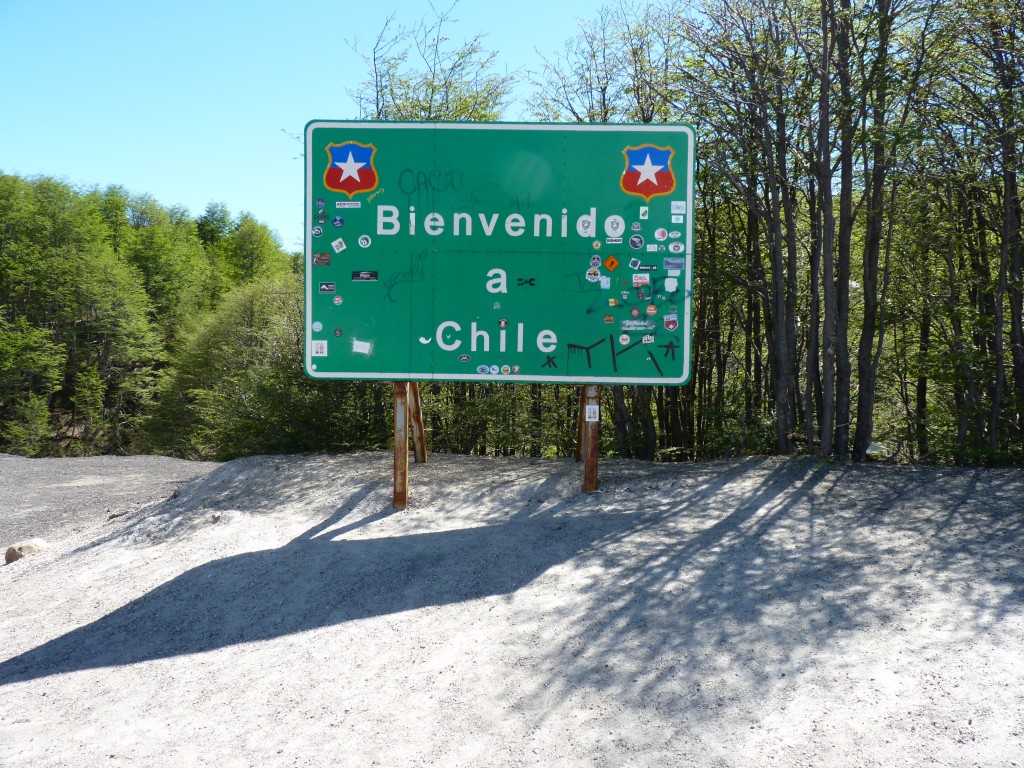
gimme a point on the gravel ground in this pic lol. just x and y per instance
(277, 611)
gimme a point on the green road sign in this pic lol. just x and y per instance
(499, 252)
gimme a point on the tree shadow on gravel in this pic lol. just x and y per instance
(730, 591)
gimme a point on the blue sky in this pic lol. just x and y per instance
(198, 101)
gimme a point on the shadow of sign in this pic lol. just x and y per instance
(314, 582)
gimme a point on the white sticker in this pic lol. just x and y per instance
(606, 282)
(671, 284)
(679, 206)
(318, 326)
(592, 413)
(644, 212)
(319, 348)
(361, 347)
(338, 245)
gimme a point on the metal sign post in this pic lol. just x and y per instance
(499, 252)
(407, 413)
(590, 420)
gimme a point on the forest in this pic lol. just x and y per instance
(859, 286)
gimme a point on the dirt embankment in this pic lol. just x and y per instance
(276, 611)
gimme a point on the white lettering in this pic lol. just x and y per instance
(440, 335)
(514, 225)
(614, 226)
(449, 338)
(463, 217)
(433, 224)
(498, 282)
(474, 334)
(586, 226)
(387, 215)
(546, 341)
(488, 226)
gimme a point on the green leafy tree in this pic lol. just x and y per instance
(252, 251)
(31, 368)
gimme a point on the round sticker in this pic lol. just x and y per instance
(338, 221)
(676, 247)
(364, 241)
(338, 300)
(317, 231)
(593, 275)
(337, 331)
(318, 326)
(660, 234)
(506, 369)
(482, 369)
(494, 369)
(636, 241)
(624, 338)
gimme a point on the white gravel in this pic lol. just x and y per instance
(276, 611)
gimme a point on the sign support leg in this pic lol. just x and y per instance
(400, 497)
(590, 421)
(419, 442)
(579, 427)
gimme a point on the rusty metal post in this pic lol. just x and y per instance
(419, 442)
(400, 497)
(590, 408)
